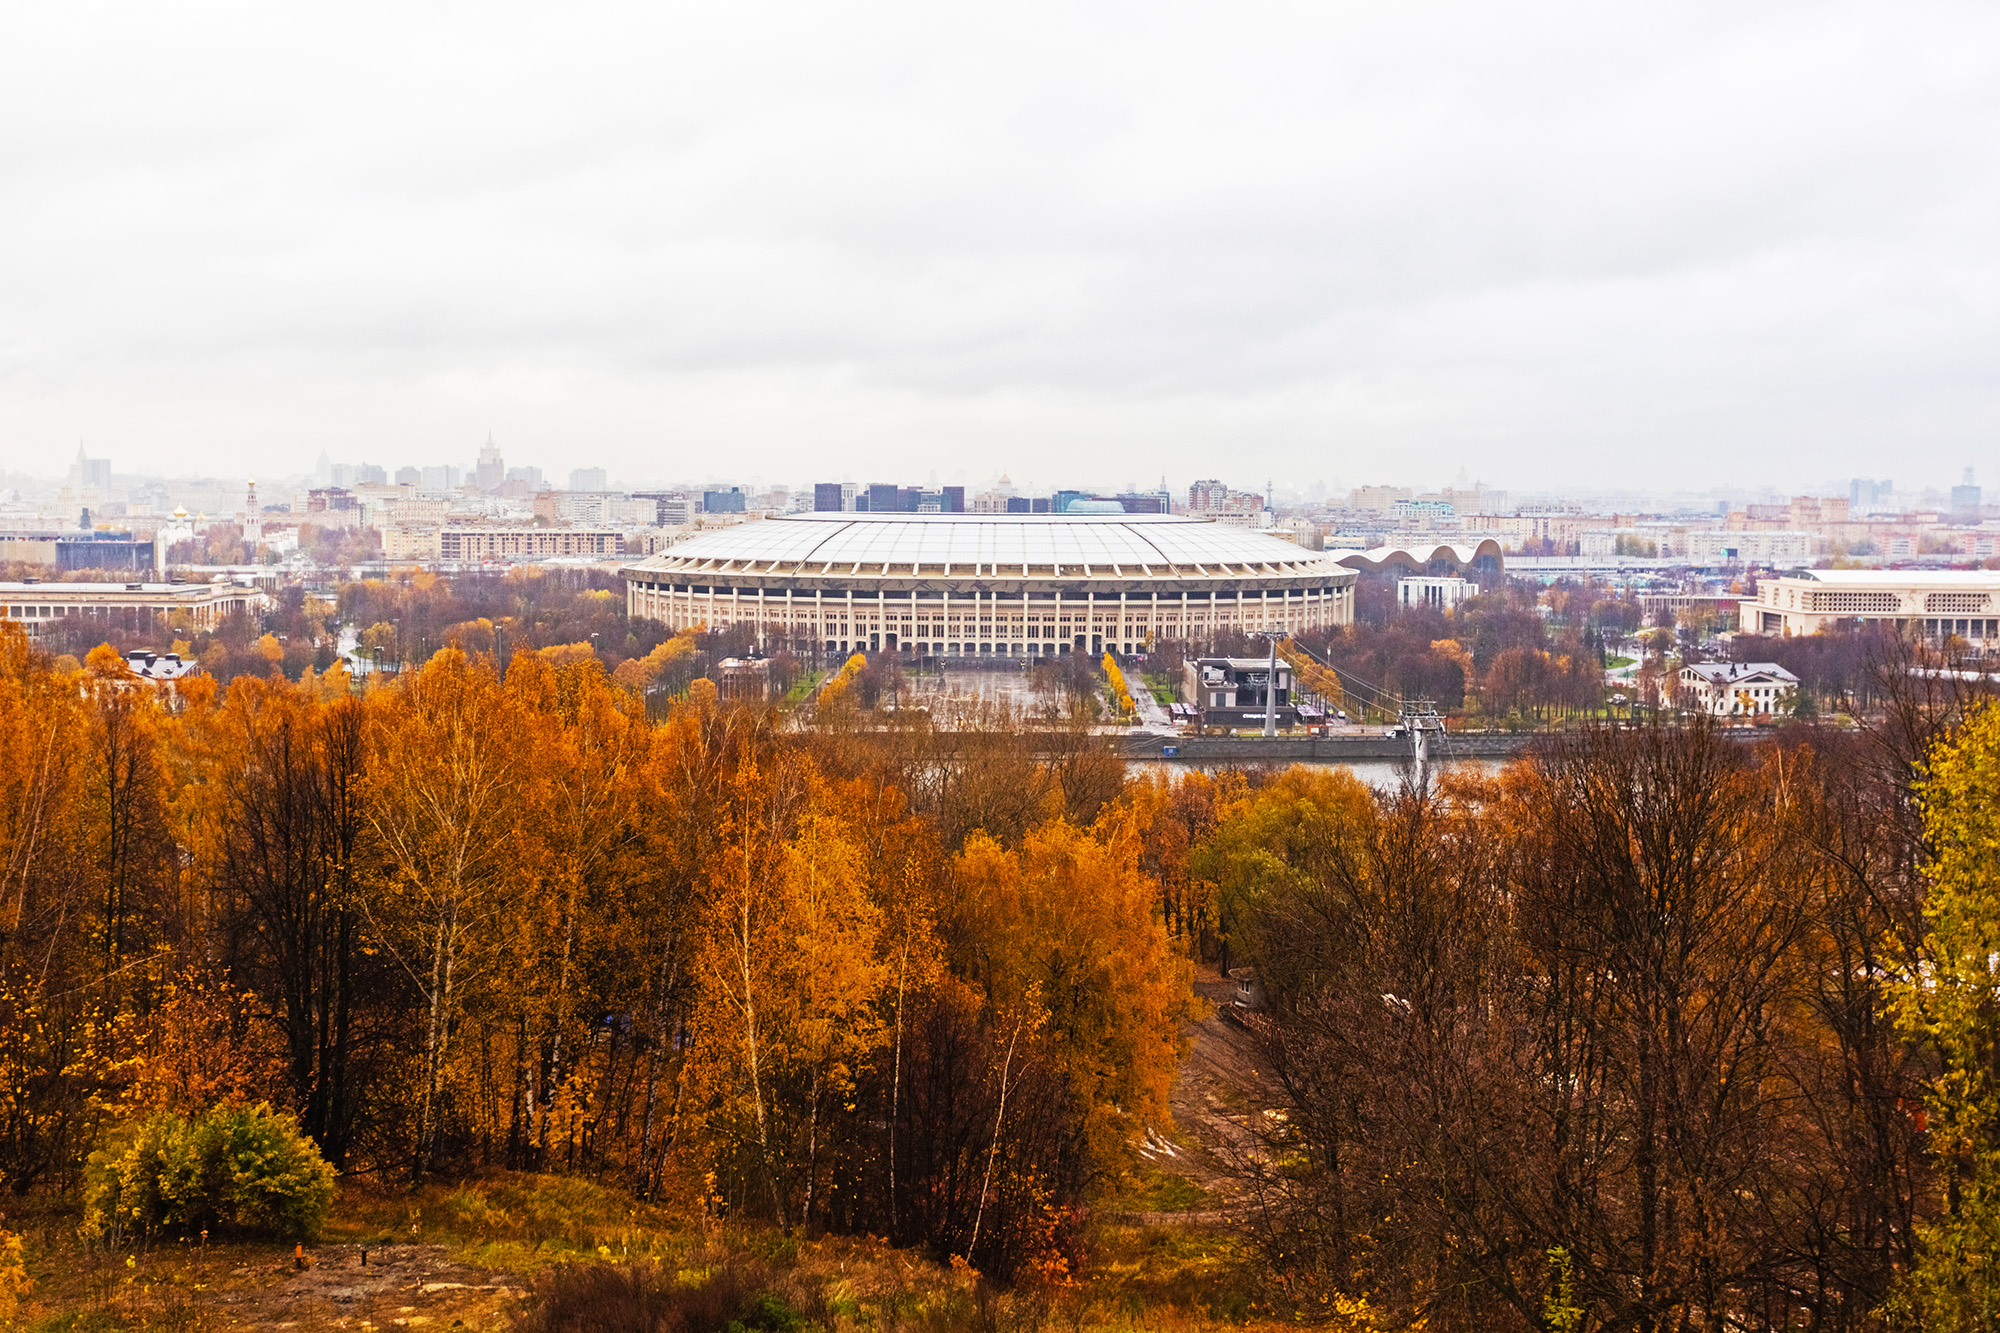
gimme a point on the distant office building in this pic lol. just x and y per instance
(670, 508)
(954, 500)
(92, 474)
(405, 476)
(1965, 501)
(441, 478)
(531, 476)
(1866, 496)
(1146, 502)
(884, 498)
(492, 468)
(347, 475)
(838, 497)
(587, 479)
(730, 501)
(103, 550)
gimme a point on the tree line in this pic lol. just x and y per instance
(1644, 1031)
(473, 917)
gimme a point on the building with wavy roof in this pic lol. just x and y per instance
(989, 585)
(1436, 559)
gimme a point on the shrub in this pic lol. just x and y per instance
(245, 1169)
(14, 1280)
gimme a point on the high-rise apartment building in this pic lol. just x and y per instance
(1204, 496)
(587, 479)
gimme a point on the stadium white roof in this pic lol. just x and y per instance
(1130, 542)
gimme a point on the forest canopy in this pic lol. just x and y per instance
(1667, 1027)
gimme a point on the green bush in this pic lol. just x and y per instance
(229, 1169)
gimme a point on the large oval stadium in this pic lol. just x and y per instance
(988, 585)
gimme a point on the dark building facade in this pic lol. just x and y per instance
(106, 551)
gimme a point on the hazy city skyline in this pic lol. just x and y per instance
(1559, 246)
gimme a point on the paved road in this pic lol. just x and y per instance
(1152, 717)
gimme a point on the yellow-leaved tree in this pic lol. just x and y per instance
(790, 969)
(449, 776)
(590, 744)
(1067, 924)
(1949, 996)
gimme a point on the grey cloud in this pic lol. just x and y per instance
(1753, 242)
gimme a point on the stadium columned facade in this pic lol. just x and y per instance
(988, 585)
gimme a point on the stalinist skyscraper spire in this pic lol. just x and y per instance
(492, 469)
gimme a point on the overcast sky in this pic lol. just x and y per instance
(1582, 243)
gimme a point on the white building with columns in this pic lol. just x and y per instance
(988, 585)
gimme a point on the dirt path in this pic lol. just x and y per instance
(400, 1286)
(1224, 1089)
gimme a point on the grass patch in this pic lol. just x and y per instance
(1154, 1189)
(580, 1248)
(802, 688)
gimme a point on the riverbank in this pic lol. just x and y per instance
(1319, 749)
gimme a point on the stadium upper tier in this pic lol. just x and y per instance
(989, 584)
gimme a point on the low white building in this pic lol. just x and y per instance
(33, 604)
(1935, 603)
(1738, 689)
(1435, 592)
